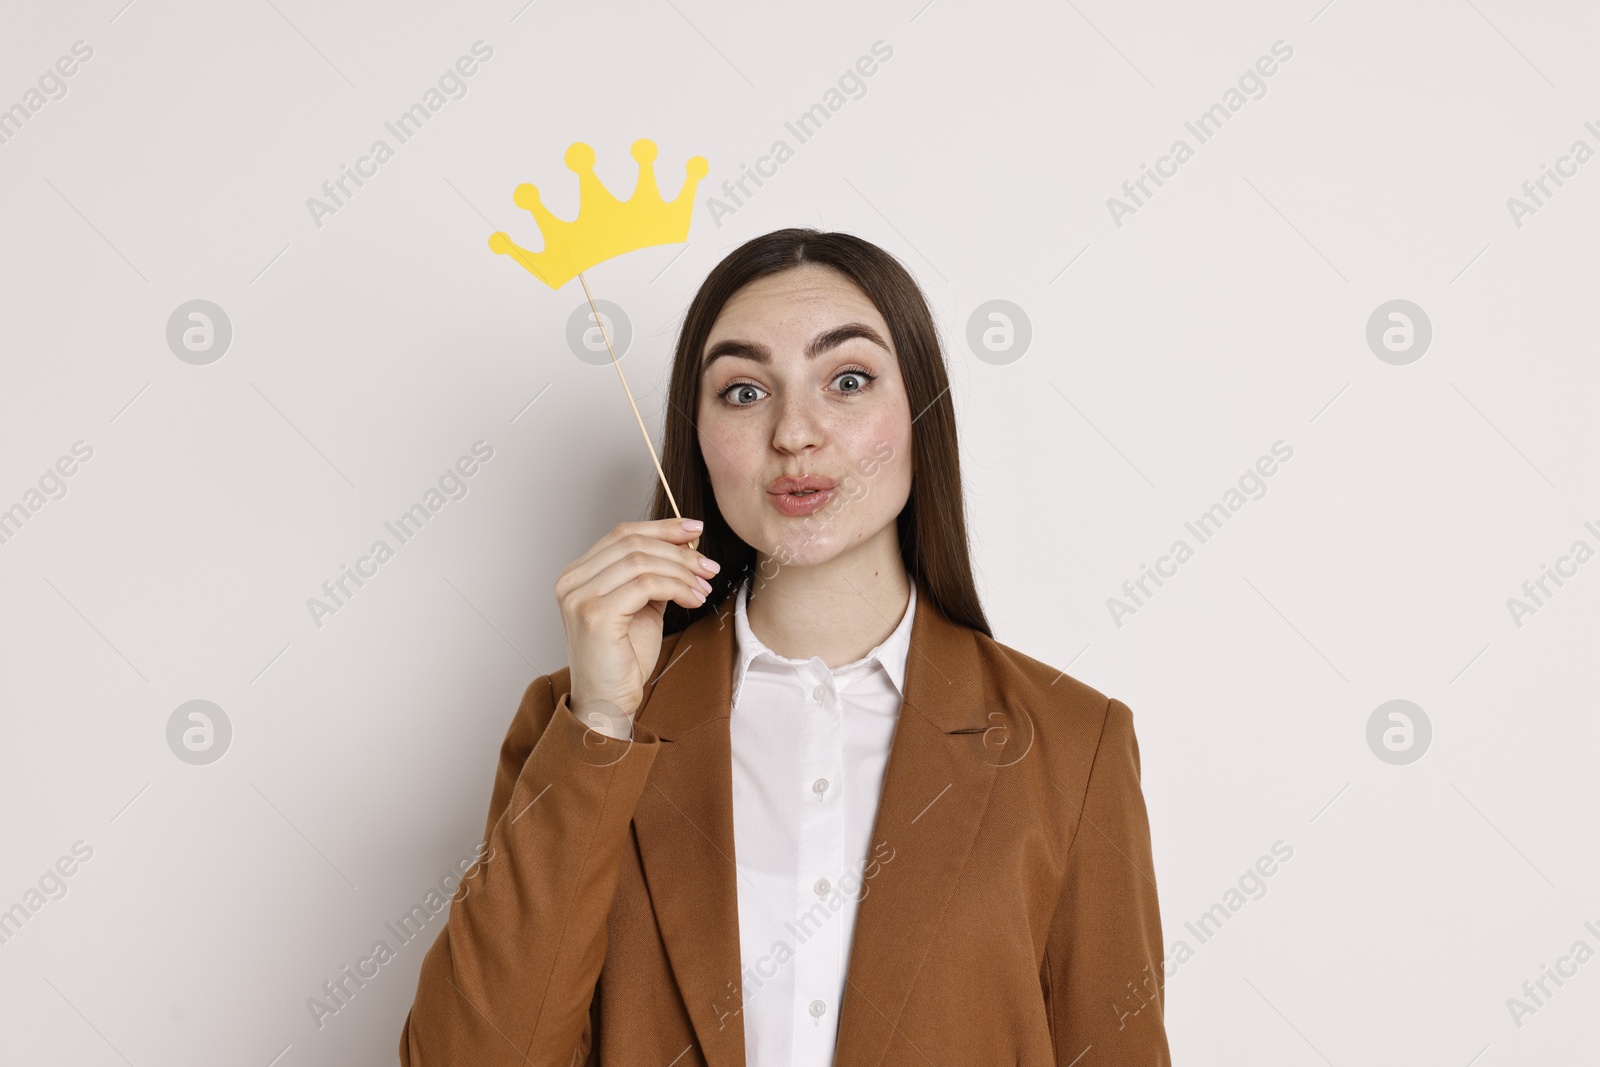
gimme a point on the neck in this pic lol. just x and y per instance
(839, 610)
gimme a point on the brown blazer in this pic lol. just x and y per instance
(1009, 916)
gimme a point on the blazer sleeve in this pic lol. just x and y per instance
(1102, 972)
(512, 976)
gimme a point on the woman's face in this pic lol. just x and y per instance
(799, 378)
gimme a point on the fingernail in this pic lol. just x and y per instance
(705, 586)
(693, 525)
(710, 564)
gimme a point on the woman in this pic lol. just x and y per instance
(790, 803)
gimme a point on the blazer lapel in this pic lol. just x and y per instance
(935, 791)
(684, 826)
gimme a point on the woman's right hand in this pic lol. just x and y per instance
(613, 602)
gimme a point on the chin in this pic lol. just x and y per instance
(805, 544)
(794, 542)
(801, 553)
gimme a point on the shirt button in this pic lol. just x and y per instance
(821, 887)
(820, 693)
(820, 786)
(817, 1007)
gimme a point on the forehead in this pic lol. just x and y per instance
(804, 299)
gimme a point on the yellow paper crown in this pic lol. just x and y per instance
(605, 226)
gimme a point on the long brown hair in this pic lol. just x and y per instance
(932, 526)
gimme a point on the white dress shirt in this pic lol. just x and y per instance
(810, 746)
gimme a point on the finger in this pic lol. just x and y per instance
(643, 538)
(630, 598)
(665, 530)
(660, 528)
(635, 565)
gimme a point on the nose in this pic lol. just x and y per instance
(800, 425)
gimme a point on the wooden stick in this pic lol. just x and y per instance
(617, 364)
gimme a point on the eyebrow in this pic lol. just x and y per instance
(821, 343)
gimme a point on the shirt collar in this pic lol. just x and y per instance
(890, 654)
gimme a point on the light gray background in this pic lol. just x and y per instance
(1168, 353)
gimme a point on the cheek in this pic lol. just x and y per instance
(879, 467)
(722, 446)
(880, 447)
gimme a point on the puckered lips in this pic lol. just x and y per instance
(799, 495)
